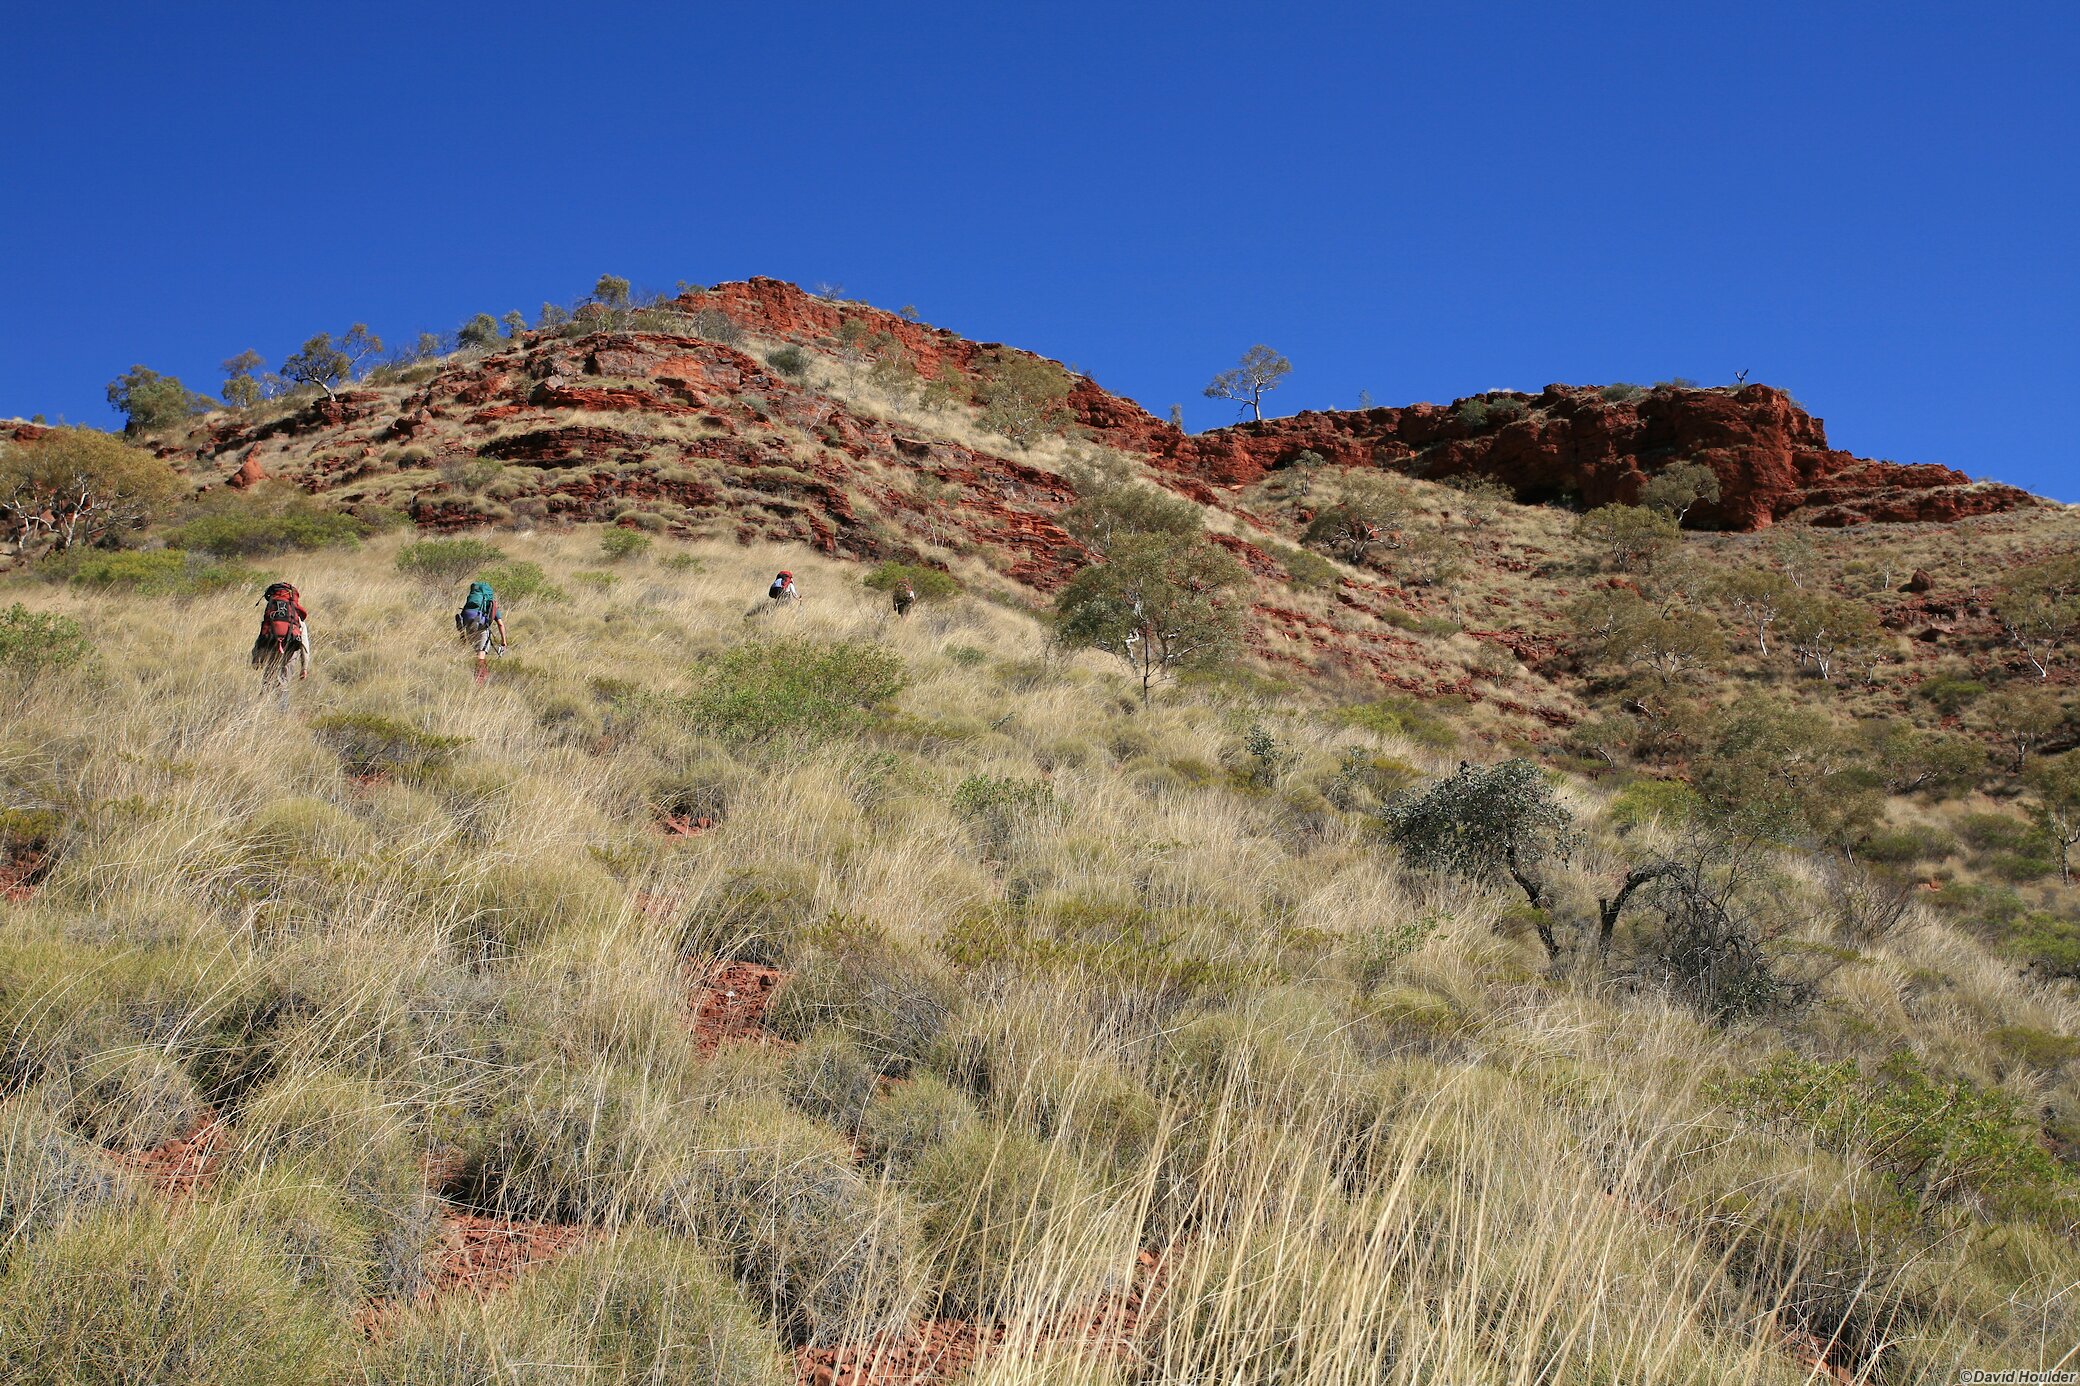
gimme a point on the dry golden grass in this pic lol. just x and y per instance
(1370, 1136)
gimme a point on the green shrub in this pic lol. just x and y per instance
(826, 1252)
(682, 563)
(148, 572)
(618, 544)
(892, 1003)
(1304, 569)
(1621, 392)
(602, 1146)
(133, 1098)
(142, 1294)
(793, 688)
(369, 744)
(998, 809)
(255, 534)
(649, 1308)
(790, 361)
(1901, 846)
(34, 642)
(1647, 800)
(1401, 715)
(1950, 694)
(1490, 410)
(445, 562)
(756, 914)
(516, 580)
(313, 1230)
(930, 584)
(1934, 1138)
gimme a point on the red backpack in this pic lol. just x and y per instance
(283, 613)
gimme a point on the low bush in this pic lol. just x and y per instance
(369, 744)
(796, 689)
(1647, 801)
(1401, 716)
(340, 1171)
(603, 1146)
(997, 809)
(1905, 845)
(257, 534)
(516, 580)
(1932, 1137)
(893, 1003)
(1490, 410)
(142, 1294)
(36, 642)
(930, 584)
(790, 361)
(619, 544)
(153, 572)
(445, 562)
(758, 915)
(1304, 569)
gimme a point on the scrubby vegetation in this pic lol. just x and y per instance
(1396, 1070)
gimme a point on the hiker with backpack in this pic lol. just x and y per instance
(906, 597)
(783, 588)
(479, 618)
(284, 633)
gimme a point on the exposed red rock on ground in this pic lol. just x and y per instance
(178, 1168)
(729, 1002)
(21, 869)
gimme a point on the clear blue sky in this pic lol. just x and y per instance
(1871, 205)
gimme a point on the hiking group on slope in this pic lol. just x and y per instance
(284, 637)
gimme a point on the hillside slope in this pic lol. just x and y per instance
(773, 993)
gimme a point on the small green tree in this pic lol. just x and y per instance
(1368, 514)
(2022, 719)
(611, 293)
(513, 323)
(1488, 823)
(479, 331)
(241, 386)
(1160, 603)
(1758, 597)
(2055, 780)
(1111, 504)
(2039, 609)
(148, 400)
(318, 362)
(1677, 487)
(1629, 538)
(1256, 375)
(1025, 398)
(1824, 630)
(76, 486)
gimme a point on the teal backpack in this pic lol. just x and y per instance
(481, 598)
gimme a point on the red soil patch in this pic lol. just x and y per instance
(680, 825)
(479, 1256)
(21, 868)
(178, 1168)
(939, 1350)
(729, 1002)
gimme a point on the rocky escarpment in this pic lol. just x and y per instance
(1594, 445)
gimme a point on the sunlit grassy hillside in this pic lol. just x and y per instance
(1127, 1033)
